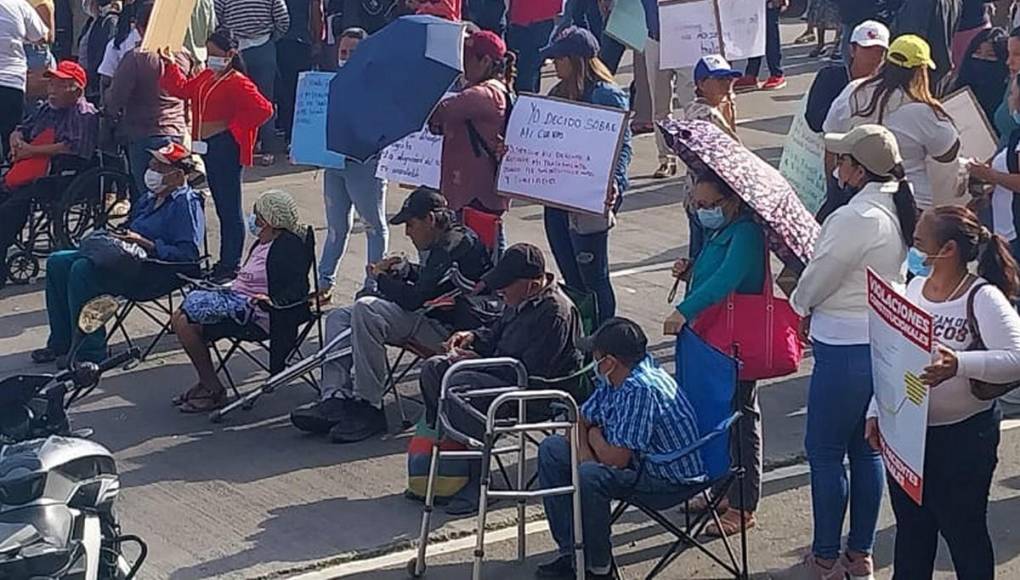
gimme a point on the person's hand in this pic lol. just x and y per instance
(782, 5)
(804, 329)
(23, 152)
(501, 150)
(612, 197)
(17, 141)
(134, 238)
(260, 299)
(981, 171)
(673, 324)
(384, 265)
(680, 267)
(945, 367)
(460, 340)
(871, 433)
(166, 56)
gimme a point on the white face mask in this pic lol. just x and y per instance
(218, 63)
(153, 180)
(340, 63)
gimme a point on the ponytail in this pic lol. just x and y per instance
(906, 207)
(997, 265)
(975, 243)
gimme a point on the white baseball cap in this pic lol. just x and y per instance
(870, 33)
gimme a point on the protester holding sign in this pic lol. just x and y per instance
(473, 125)
(978, 332)
(872, 231)
(773, 53)
(580, 242)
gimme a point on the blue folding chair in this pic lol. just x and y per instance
(709, 379)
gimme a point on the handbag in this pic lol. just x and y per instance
(26, 171)
(759, 330)
(981, 390)
(112, 255)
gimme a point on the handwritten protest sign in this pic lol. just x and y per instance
(414, 160)
(561, 153)
(308, 137)
(692, 29)
(901, 340)
(803, 161)
(168, 24)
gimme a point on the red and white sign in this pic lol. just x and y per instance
(901, 346)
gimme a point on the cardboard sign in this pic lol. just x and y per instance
(414, 160)
(168, 25)
(692, 29)
(803, 161)
(561, 153)
(627, 24)
(308, 137)
(977, 138)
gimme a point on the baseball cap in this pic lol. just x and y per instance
(910, 51)
(618, 337)
(873, 146)
(171, 154)
(714, 66)
(518, 262)
(419, 204)
(572, 41)
(485, 43)
(67, 69)
(870, 33)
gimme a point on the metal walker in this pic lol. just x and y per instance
(495, 428)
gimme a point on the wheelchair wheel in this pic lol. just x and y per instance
(22, 267)
(87, 203)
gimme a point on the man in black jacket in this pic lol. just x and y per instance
(540, 327)
(353, 385)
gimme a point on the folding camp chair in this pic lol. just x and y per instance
(709, 378)
(516, 396)
(486, 226)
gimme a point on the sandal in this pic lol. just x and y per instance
(196, 392)
(730, 523)
(212, 402)
(666, 169)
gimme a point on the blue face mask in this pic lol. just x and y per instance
(600, 377)
(253, 226)
(712, 218)
(916, 263)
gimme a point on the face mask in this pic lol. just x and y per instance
(218, 63)
(916, 263)
(340, 63)
(712, 219)
(253, 227)
(600, 377)
(153, 180)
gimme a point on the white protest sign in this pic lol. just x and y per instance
(691, 29)
(561, 153)
(414, 160)
(977, 138)
(901, 344)
(803, 161)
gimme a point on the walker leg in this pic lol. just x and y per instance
(426, 514)
(521, 483)
(483, 506)
(575, 479)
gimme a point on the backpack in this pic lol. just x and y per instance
(451, 476)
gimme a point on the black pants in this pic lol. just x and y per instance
(292, 58)
(12, 103)
(959, 460)
(773, 47)
(431, 380)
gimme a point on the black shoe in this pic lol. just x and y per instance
(611, 575)
(463, 506)
(221, 274)
(43, 356)
(561, 567)
(361, 422)
(319, 417)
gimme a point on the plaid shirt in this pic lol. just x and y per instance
(648, 414)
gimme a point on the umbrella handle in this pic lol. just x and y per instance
(672, 291)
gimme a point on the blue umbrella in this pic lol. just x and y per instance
(394, 79)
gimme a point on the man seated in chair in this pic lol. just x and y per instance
(62, 133)
(353, 386)
(636, 411)
(539, 327)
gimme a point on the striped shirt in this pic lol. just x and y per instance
(249, 19)
(648, 414)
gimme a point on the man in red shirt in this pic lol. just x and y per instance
(531, 25)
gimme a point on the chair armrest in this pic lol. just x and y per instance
(721, 429)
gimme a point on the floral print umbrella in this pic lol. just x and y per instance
(790, 227)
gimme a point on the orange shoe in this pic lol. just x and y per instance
(774, 83)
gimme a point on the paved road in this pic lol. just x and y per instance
(254, 498)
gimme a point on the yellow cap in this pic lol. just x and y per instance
(910, 51)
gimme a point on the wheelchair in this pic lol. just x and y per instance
(72, 200)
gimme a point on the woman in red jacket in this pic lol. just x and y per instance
(226, 109)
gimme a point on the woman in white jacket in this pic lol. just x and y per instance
(872, 231)
(963, 429)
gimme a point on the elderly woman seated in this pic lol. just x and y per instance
(274, 274)
(168, 225)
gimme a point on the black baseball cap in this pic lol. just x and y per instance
(519, 262)
(618, 337)
(419, 204)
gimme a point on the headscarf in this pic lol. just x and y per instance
(278, 209)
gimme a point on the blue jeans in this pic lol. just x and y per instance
(583, 260)
(526, 41)
(71, 281)
(841, 389)
(223, 168)
(773, 47)
(355, 187)
(261, 63)
(138, 159)
(600, 484)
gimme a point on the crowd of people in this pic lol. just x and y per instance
(191, 121)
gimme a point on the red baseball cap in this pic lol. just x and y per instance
(485, 43)
(67, 69)
(172, 154)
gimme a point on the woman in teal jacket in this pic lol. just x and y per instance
(732, 259)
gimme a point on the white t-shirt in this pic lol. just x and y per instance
(113, 55)
(19, 23)
(920, 133)
(999, 324)
(1002, 201)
